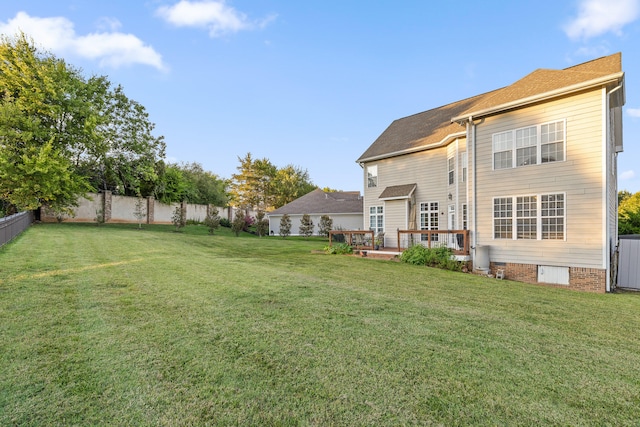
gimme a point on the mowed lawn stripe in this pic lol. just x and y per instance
(151, 327)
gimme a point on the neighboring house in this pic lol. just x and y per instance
(530, 170)
(343, 207)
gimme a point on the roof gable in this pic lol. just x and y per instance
(436, 127)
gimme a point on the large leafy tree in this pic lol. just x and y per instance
(261, 185)
(629, 214)
(206, 187)
(124, 152)
(39, 176)
(90, 129)
(190, 182)
(290, 183)
(42, 121)
(251, 186)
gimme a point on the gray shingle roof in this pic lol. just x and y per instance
(432, 127)
(398, 191)
(320, 202)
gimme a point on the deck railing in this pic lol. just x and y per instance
(456, 240)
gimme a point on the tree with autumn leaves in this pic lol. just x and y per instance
(261, 186)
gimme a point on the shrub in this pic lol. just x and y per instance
(239, 223)
(285, 225)
(212, 221)
(262, 224)
(324, 226)
(306, 225)
(339, 249)
(178, 218)
(431, 257)
(224, 222)
(140, 211)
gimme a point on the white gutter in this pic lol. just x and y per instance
(542, 97)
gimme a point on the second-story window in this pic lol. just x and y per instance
(372, 176)
(532, 145)
(452, 170)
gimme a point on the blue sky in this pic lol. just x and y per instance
(313, 83)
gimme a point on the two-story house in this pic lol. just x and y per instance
(529, 170)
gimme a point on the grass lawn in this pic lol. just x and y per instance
(119, 326)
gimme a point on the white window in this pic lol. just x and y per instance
(452, 170)
(376, 219)
(429, 219)
(536, 217)
(552, 216)
(503, 150)
(527, 218)
(552, 142)
(532, 145)
(526, 146)
(465, 165)
(372, 176)
(503, 218)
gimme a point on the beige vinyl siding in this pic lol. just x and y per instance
(579, 177)
(395, 217)
(428, 169)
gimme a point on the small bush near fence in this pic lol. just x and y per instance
(431, 257)
(339, 249)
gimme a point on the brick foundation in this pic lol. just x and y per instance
(580, 279)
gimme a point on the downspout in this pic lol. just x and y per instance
(609, 244)
(474, 227)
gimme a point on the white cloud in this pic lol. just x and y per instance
(215, 16)
(626, 175)
(109, 48)
(597, 17)
(633, 112)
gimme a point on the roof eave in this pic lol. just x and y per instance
(446, 140)
(541, 97)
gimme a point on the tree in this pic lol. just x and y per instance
(178, 218)
(285, 226)
(306, 225)
(140, 211)
(261, 185)
(104, 137)
(205, 188)
(251, 186)
(289, 184)
(41, 118)
(622, 195)
(325, 225)
(238, 223)
(39, 176)
(212, 221)
(629, 215)
(262, 224)
(172, 186)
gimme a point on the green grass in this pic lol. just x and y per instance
(119, 326)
